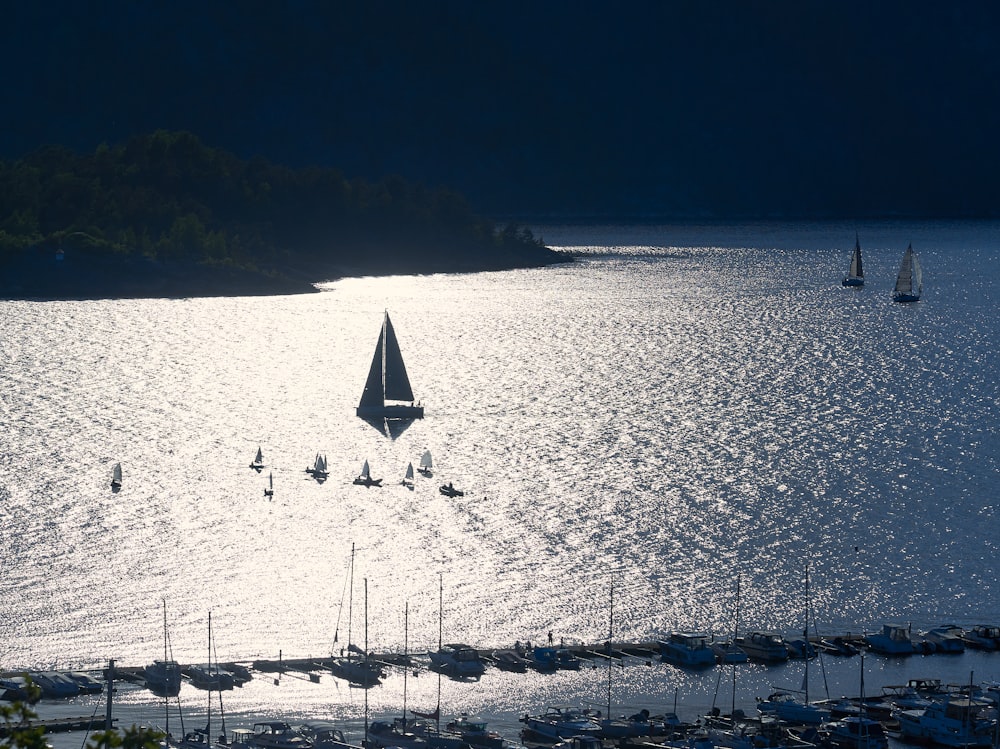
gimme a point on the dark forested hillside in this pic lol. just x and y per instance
(164, 214)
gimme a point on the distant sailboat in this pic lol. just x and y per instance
(855, 274)
(318, 470)
(910, 281)
(388, 387)
(269, 491)
(116, 477)
(426, 464)
(365, 478)
(258, 461)
(408, 477)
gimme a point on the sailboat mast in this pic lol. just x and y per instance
(350, 603)
(366, 657)
(440, 640)
(406, 651)
(211, 675)
(736, 630)
(805, 678)
(611, 629)
(385, 327)
(167, 667)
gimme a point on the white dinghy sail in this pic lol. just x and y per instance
(387, 393)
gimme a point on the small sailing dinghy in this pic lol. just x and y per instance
(856, 273)
(909, 281)
(426, 464)
(258, 461)
(388, 387)
(269, 491)
(318, 470)
(408, 476)
(116, 477)
(365, 478)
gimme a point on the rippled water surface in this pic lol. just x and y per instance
(681, 407)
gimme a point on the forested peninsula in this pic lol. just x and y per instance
(164, 215)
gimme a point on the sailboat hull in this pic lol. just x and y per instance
(390, 412)
(853, 282)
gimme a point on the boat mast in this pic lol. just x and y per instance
(440, 635)
(167, 668)
(406, 650)
(736, 630)
(611, 629)
(367, 685)
(385, 328)
(211, 675)
(350, 603)
(805, 678)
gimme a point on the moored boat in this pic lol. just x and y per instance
(894, 639)
(562, 722)
(953, 722)
(768, 647)
(856, 732)
(458, 660)
(687, 650)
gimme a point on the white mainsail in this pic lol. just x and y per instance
(425, 461)
(409, 472)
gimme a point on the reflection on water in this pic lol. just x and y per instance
(673, 415)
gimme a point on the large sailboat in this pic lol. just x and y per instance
(856, 273)
(910, 281)
(387, 393)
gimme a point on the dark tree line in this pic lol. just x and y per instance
(167, 197)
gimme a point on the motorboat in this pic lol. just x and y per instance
(800, 649)
(277, 734)
(856, 732)
(561, 722)
(982, 637)
(474, 732)
(384, 735)
(894, 639)
(786, 707)
(508, 660)
(458, 660)
(568, 660)
(953, 722)
(687, 650)
(946, 638)
(85, 682)
(728, 652)
(424, 729)
(322, 734)
(543, 659)
(768, 647)
(55, 685)
(837, 646)
(449, 490)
